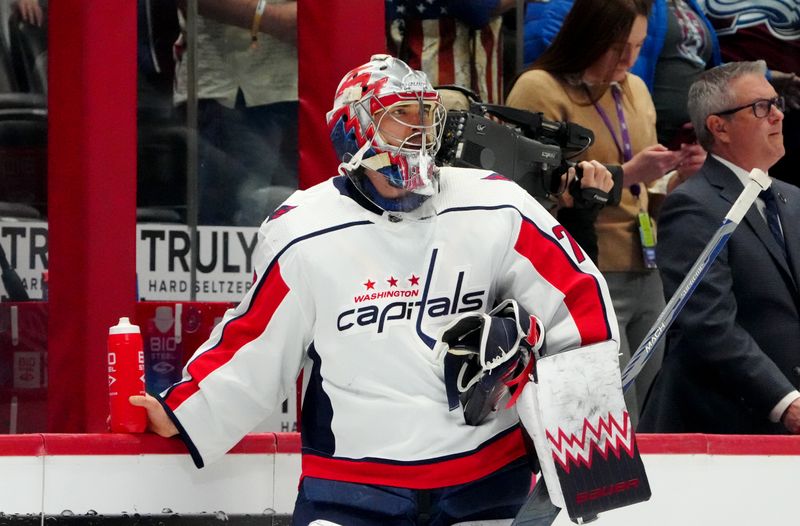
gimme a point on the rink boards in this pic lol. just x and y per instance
(144, 479)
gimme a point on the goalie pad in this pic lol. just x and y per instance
(483, 353)
(576, 415)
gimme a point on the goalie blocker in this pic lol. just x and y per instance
(570, 403)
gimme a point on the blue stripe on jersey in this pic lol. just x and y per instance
(317, 411)
(427, 340)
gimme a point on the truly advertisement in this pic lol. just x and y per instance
(24, 247)
(224, 260)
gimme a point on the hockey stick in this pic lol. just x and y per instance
(758, 181)
(538, 510)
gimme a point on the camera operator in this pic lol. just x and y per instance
(528, 149)
(586, 80)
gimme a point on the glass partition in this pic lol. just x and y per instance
(217, 141)
(204, 72)
(217, 120)
(23, 216)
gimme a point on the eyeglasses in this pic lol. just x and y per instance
(761, 107)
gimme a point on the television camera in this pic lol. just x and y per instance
(524, 147)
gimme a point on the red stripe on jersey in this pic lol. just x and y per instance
(582, 294)
(450, 472)
(237, 332)
(446, 58)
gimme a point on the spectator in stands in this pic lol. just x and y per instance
(23, 58)
(157, 29)
(586, 81)
(247, 106)
(748, 31)
(681, 43)
(732, 357)
(453, 41)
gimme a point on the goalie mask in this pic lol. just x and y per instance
(388, 118)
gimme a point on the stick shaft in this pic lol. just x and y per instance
(758, 182)
(676, 303)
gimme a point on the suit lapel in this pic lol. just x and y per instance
(730, 189)
(789, 212)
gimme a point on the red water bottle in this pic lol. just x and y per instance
(125, 377)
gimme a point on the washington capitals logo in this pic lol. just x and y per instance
(607, 436)
(281, 210)
(382, 301)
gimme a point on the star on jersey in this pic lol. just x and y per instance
(414, 280)
(369, 284)
(392, 281)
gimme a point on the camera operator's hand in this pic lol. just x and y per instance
(595, 175)
(650, 164)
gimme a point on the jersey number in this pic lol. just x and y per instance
(560, 232)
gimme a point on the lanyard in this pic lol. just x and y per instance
(626, 149)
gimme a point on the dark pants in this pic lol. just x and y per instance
(496, 496)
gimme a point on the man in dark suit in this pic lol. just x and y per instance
(732, 363)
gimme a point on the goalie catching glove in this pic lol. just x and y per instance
(487, 353)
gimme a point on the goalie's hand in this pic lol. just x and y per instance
(157, 420)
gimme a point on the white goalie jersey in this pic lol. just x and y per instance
(356, 298)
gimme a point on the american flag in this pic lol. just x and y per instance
(424, 35)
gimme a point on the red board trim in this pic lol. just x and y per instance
(289, 443)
